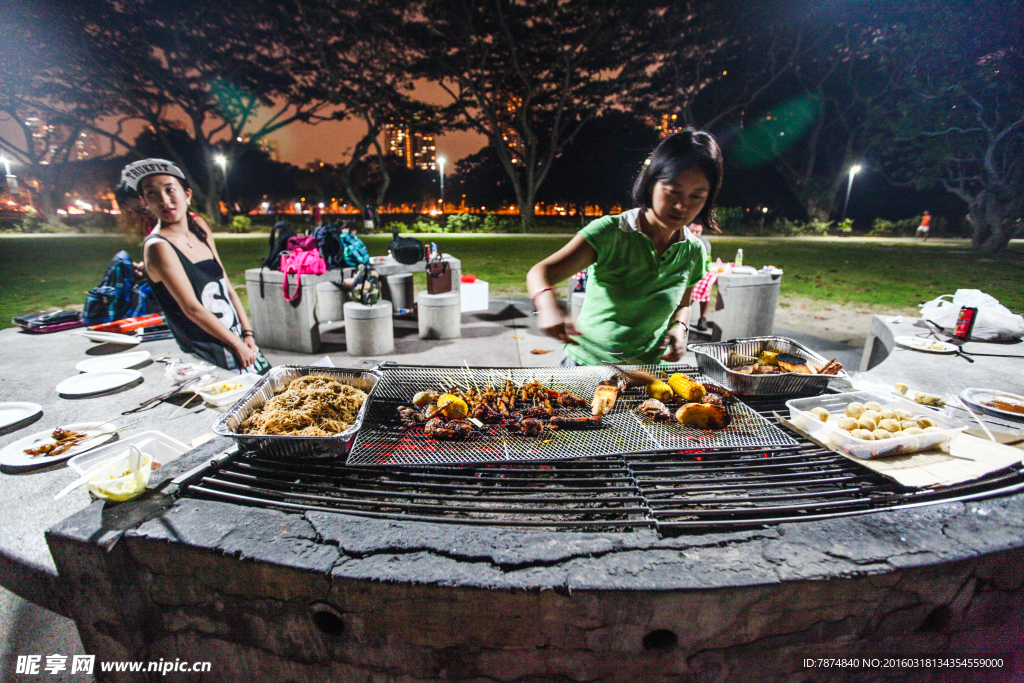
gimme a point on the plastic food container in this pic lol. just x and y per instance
(828, 432)
(160, 447)
(224, 398)
(114, 482)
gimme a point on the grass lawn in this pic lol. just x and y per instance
(42, 272)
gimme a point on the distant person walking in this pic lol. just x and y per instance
(925, 227)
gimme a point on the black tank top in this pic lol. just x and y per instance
(211, 290)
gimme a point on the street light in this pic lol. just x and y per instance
(440, 166)
(854, 170)
(222, 161)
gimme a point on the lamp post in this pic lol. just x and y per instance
(854, 170)
(440, 166)
(222, 161)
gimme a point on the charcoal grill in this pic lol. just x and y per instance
(688, 490)
(384, 440)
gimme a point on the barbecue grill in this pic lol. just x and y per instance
(678, 490)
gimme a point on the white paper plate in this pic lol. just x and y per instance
(977, 397)
(14, 455)
(96, 382)
(12, 413)
(118, 361)
(109, 337)
(926, 345)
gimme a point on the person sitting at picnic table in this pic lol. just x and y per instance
(199, 304)
(642, 264)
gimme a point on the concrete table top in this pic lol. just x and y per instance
(939, 373)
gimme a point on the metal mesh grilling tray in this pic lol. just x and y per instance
(276, 381)
(384, 440)
(712, 360)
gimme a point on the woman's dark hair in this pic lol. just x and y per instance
(193, 227)
(677, 153)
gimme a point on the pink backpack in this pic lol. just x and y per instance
(303, 260)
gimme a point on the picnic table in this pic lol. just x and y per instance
(293, 325)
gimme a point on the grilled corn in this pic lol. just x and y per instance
(686, 387)
(659, 390)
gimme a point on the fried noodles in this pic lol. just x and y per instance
(313, 405)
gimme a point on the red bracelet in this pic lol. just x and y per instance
(539, 292)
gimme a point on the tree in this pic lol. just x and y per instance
(599, 166)
(529, 75)
(39, 127)
(815, 122)
(958, 116)
(481, 179)
(356, 61)
(213, 67)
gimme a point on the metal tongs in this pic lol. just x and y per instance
(636, 377)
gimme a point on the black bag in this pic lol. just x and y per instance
(279, 236)
(328, 241)
(406, 250)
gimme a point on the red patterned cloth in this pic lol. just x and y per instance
(702, 290)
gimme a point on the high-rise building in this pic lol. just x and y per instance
(417, 150)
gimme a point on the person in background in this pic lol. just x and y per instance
(925, 227)
(199, 303)
(702, 290)
(642, 265)
(318, 215)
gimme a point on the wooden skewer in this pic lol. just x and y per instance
(826, 366)
(194, 396)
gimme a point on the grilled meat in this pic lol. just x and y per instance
(655, 409)
(592, 422)
(437, 428)
(529, 426)
(724, 394)
(567, 399)
(712, 400)
(486, 414)
(410, 416)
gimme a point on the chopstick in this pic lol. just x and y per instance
(977, 419)
(194, 395)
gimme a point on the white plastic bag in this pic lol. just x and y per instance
(994, 322)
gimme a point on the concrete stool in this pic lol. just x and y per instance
(329, 301)
(440, 316)
(399, 291)
(369, 330)
(577, 304)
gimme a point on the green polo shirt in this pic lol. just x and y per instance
(631, 291)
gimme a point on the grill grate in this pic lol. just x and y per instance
(384, 440)
(682, 491)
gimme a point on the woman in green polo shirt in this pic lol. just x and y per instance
(642, 264)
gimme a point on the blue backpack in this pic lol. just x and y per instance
(109, 300)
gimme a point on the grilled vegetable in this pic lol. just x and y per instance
(703, 416)
(604, 399)
(660, 391)
(424, 398)
(768, 358)
(686, 387)
(452, 407)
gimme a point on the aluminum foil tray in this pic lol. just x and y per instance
(276, 381)
(711, 359)
(384, 440)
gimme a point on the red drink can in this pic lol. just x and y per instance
(965, 322)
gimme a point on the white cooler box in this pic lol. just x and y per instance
(475, 297)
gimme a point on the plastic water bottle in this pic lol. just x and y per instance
(739, 257)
